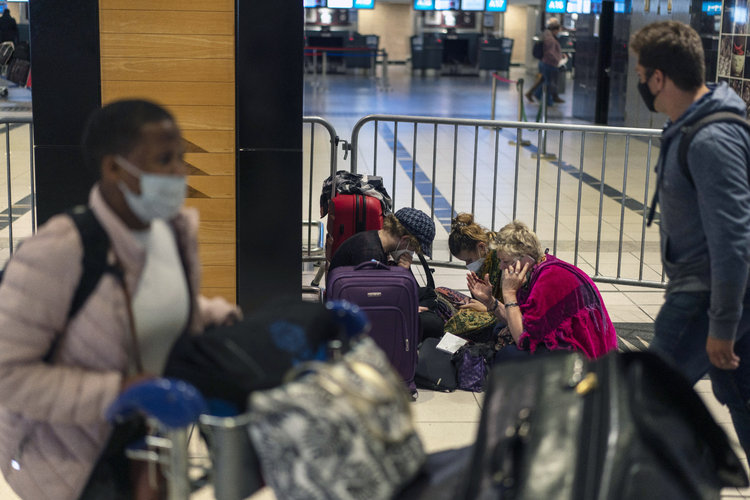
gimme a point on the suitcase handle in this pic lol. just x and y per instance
(372, 264)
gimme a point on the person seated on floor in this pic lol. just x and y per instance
(464, 315)
(547, 303)
(407, 231)
(59, 374)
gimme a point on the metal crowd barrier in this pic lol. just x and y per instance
(587, 203)
(21, 199)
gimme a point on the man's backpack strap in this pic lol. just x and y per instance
(689, 131)
(95, 247)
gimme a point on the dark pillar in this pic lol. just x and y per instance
(269, 44)
(66, 89)
(604, 65)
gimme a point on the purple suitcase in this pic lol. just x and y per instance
(388, 296)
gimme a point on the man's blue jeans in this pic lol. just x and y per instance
(681, 329)
(550, 75)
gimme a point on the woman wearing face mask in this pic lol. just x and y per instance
(407, 231)
(59, 374)
(547, 303)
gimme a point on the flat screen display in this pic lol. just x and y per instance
(364, 4)
(475, 5)
(424, 5)
(446, 4)
(711, 8)
(578, 6)
(555, 6)
(340, 4)
(313, 3)
(496, 5)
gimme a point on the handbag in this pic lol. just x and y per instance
(339, 429)
(471, 324)
(435, 369)
(473, 365)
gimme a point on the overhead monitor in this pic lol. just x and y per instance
(446, 4)
(555, 6)
(340, 4)
(472, 5)
(496, 6)
(578, 7)
(712, 8)
(364, 4)
(424, 5)
(314, 3)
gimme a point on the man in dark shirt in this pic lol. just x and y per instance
(8, 28)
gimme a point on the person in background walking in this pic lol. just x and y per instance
(549, 65)
(8, 28)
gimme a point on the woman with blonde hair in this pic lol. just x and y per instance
(547, 303)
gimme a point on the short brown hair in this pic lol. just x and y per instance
(392, 225)
(467, 234)
(675, 49)
(516, 239)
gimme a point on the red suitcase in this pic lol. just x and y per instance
(349, 214)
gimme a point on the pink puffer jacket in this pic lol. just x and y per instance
(52, 426)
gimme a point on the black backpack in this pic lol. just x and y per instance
(538, 49)
(95, 246)
(689, 131)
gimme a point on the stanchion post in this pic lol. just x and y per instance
(386, 85)
(373, 62)
(542, 150)
(494, 96)
(324, 71)
(316, 82)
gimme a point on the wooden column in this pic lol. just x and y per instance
(181, 54)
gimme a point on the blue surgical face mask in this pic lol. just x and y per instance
(161, 195)
(475, 266)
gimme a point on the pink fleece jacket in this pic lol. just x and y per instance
(52, 414)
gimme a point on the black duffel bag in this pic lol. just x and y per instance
(626, 426)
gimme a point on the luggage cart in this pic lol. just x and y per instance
(174, 408)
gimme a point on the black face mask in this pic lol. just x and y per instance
(646, 95)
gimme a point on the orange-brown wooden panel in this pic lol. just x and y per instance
(175, 22)
(146, 45)
(220, 209)
(217, 231)
(183, 5)
(167, 70)
(229, 294)
(218, 276)
(204, 117)
(211, 186)
(211, 163)
(214, 254)
(172, 93)
(212, 141)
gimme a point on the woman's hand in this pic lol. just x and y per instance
(405, 260)
(481, 289)
(514, 276)
(474, 305)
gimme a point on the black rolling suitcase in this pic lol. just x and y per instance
(557, 426)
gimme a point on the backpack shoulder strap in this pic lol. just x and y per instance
(689, 131)
(427, 271)
(95, 247)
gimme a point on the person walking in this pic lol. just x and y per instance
(549, 65)
(704, 223)
(8, 28)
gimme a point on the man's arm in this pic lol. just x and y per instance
(718, 162)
